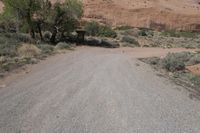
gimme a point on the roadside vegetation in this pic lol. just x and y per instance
(178, 34)
(177, 65)
(124, 27)
(32, 30)
(17, 51)
(163, 39)
(95, 29)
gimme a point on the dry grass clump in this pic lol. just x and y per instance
(28, 50)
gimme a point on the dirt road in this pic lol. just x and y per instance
(96, 90)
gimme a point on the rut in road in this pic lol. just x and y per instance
(96, 91)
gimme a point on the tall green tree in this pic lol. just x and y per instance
(60, 17)
(24, 10)
(64, 17)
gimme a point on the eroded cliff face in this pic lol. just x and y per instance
(157, 14)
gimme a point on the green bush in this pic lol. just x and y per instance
(129, 39)
(92, 28)
(95, 29)
(194, 60)
(195, 79)
(22, 37)
(18, 37)
(106, 31)
(187, 34)
(47, 36)
(173, 62)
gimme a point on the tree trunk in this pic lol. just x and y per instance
(53, 37)
(30, 23)
(40, 31)
(32, 32)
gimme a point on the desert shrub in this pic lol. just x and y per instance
(125, 27)
(173, 62)
(195, 79)
(3, 40)
(63, 45)
(92, 28)
(130, 32)
(145, 32)
(12, 63)
(183, 56)
(7, 49)
(106, 31)
(109, 43)
(142, 32)
(129, 39)
(7, 66)
(22, 37)
(95, 29)
(19, 37)
(102, 42)
(46, 49)
(169, 33)
(91, 41)
(47, 36)
(194, 60)
(173, 33)
(8, 45)
(28, 50)
(154, 61)
(187, 34)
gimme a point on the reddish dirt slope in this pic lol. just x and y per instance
(161, 14)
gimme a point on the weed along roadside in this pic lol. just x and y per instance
(180, 67)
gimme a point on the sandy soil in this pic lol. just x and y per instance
(194, 69)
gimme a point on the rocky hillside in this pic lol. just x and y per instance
(157, 14)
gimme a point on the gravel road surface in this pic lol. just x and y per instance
(95, 90)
